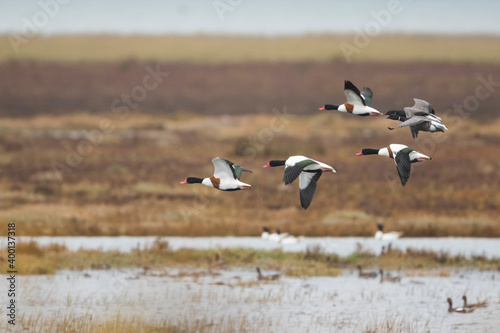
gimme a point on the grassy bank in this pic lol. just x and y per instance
(34, 259)
(188, 324)
(231, 49)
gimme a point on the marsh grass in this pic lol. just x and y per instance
(391, 324)
(132, 187)
(33, 259)
(112, 324)
(129, 183)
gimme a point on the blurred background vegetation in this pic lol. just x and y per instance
(72, 163)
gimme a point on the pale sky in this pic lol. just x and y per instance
(250, 17)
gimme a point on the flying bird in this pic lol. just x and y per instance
(420, 117)
(357, 102)
(226, 177)
(403, 157)
(307, 170)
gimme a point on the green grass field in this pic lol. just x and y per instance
(230, 49)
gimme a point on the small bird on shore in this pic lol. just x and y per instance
(307, 170)
(275, 236)
(388, 278)
(458, 310)
(100, 266)
(403, 157)
(391, 235)
(266, 277)
(226, 177)
(357, 102)
(265, 233)
(366, 275)
(286, 238)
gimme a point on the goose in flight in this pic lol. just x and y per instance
(420, 117)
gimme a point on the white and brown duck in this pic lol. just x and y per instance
(357, 102)
(226, 177)
(307, 170)
(403, 156)
(391, 235)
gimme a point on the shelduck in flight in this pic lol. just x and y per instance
(403, 157)
(308, 171)
(226, 177)
(357, 102)
(420, 117)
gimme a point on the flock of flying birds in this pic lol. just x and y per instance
(419, 117)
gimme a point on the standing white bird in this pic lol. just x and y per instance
(290, 239)
(275, 236)
(226, 177)
(286, 238)
(403, 157)
(391, 235)
(357, 102)
(308, 171)
(265, 233)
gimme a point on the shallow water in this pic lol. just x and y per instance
(234, 297)
(343, 246)
(230, 298)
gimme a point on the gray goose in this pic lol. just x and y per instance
(420, 117)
